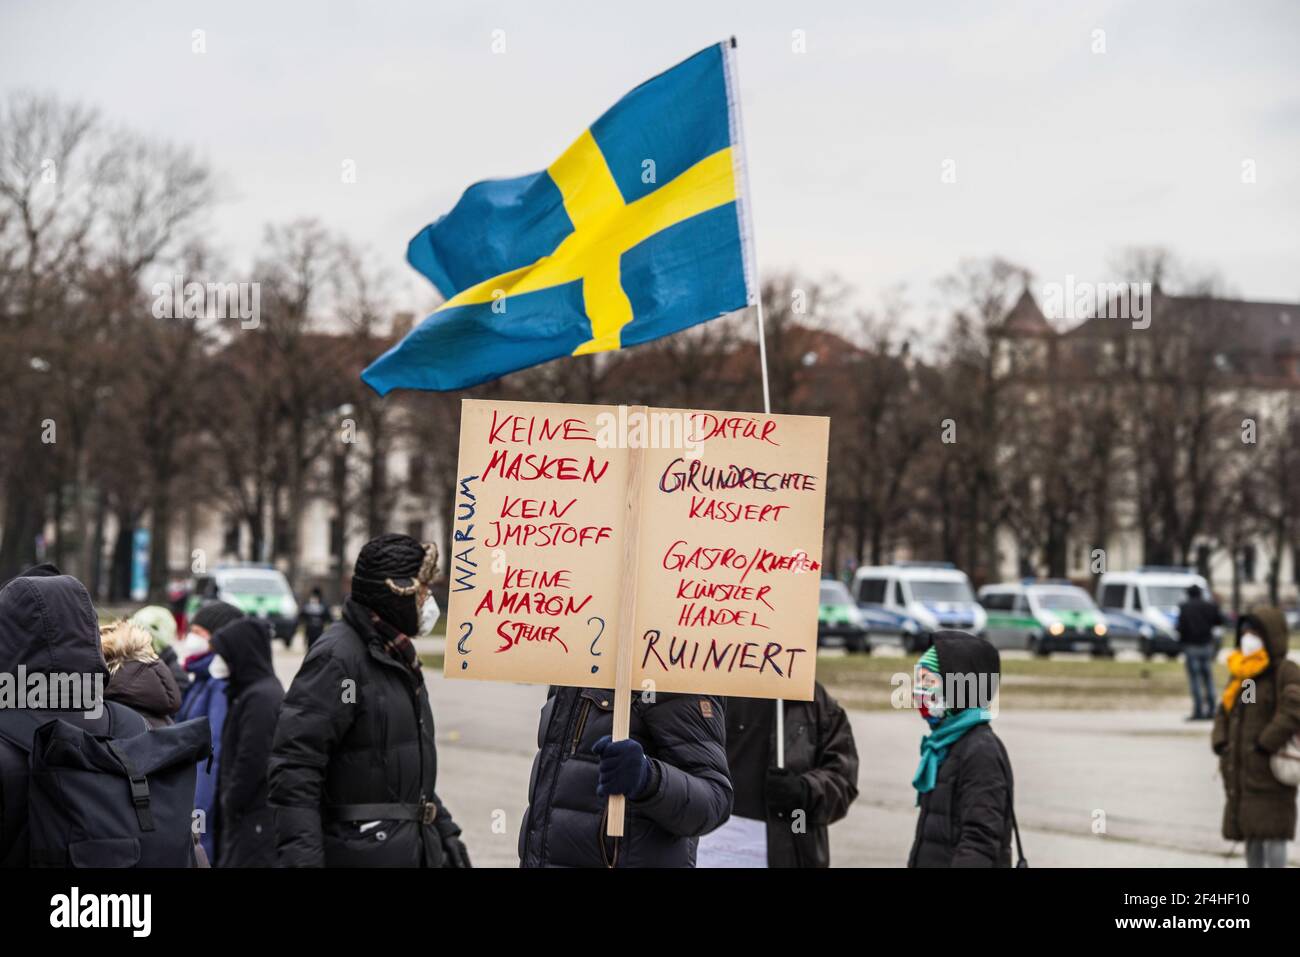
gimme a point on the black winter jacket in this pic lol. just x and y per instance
(356, 728)
(819, 748)
(1197, 619)
(48, 626)
(966, 819)
(247, 832)
(685, 738)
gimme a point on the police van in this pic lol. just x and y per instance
(259, 591)
(1146, 600)
(839, 621)
(910, 600)
(1043, 616)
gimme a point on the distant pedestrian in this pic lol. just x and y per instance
(1198, 616)
(791, 806)
(206, 698)
(137, 677)
(1258, 715)
(246, 825)
(315, 615)
(964, 786)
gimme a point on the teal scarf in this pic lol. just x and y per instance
(934, 746)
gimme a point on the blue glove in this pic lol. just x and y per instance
(624, 768)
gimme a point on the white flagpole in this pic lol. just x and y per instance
(747, 237)
(767, 408)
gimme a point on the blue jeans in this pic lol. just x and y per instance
(1200, 659)
(1265, 853)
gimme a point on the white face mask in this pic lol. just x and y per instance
(1251, 643)
(217, 668)
(429, 616)
(193, 645)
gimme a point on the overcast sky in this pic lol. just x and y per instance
(1062, 155)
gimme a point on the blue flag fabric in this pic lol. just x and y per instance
(640, 229)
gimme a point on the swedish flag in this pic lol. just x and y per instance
(639, 230)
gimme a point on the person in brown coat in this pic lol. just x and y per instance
(1258, 714)
(138, 678)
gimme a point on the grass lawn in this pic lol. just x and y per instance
(865, 681)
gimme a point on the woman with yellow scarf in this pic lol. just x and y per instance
(1258, 714)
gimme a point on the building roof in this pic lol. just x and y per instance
(1026, 319)
(1259, 341)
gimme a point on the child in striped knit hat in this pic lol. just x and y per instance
(963, 782)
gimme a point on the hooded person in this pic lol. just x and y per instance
(49, 627)
(964, 787)
(1257, 715)
(354, 766)
(206, 698)
(161, 625)
(246, 829)
(138, 678)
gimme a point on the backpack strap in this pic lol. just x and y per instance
(1011, 802)
(139, 786)
(124, 722)
(1015, 829)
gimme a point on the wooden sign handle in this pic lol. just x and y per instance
(626, 619)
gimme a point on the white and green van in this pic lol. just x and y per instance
(259, 591)
(1043, 616)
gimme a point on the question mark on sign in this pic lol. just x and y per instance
(468, 629)
(599, 633)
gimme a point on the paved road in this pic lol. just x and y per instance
(1094, 788)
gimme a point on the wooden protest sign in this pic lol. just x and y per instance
(672, 550)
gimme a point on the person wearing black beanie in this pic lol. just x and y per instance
(388, 577)
(205, 697)
(214, 616)
(354, 766)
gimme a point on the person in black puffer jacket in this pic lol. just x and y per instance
(964, 784)
(247, 834)
(672, 769)
(354, 765)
